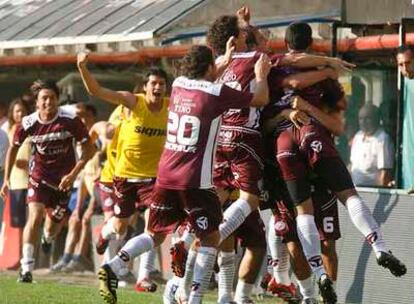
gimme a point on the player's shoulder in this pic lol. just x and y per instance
(29, 120)
(199, 85)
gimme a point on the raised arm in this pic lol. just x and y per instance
(308, 61)
(261, 93)
(93, 87)
(306, 79)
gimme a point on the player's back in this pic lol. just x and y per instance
(193, 122)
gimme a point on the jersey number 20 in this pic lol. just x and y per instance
(186, 128)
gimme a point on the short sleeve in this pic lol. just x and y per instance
(233, 99)
(79, 131)
(19, 136)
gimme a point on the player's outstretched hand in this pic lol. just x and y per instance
(340, 65)
(82, 58)
(243, 14)
(262, 67)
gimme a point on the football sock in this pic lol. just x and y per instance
(133, 248)
(227, 266)
(363, 220)
(306, 287)
(309, 238)
(280, 255)
(233, 217)
(206, 257)
(186, 281)
(27, 261)
(243, 291)
(146, 264)
(188, 238)
(108, 231)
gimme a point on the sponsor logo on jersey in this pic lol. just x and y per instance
(202, 222)
(316, 146)
(150, 131)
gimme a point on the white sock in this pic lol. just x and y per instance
(311, 244)
(306, 287)
(363, 220)
(206, 257)
(108, 230)
(280, 255)
(27, 261)
(188, 238)
(47, 236)
(146, 264)
(170, 290)
(133, 248)
(243, 291)
(226, 263)
(113, 248)
(233, 217)
(187, 280)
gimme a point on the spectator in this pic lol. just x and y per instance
(19, 177)
(3, 115)
(371, 151)
(4, 145)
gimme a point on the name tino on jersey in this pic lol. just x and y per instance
(150, 131)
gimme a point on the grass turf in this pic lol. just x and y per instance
(71, 289)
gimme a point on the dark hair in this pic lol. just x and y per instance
(196, 62)
(298, 36)
(39, 85)
(155, 71)
(220, 31)
(405, 48)
(16, 101)
(92, 109)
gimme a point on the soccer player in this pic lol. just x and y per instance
(312, 146)
(140, 141)
(184, 187)
(52, 132)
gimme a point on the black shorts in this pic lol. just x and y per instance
(18, 207)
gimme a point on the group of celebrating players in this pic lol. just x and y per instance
(243, 130)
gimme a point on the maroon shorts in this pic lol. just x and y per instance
(106, 195)
(300, 149)
(55, 201)
(169, 208)
(239, 161)
(326, 217)
(131, 196)
(326, 214)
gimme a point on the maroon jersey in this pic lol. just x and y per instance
(193, 122)
(240, 76)
(53, 144)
